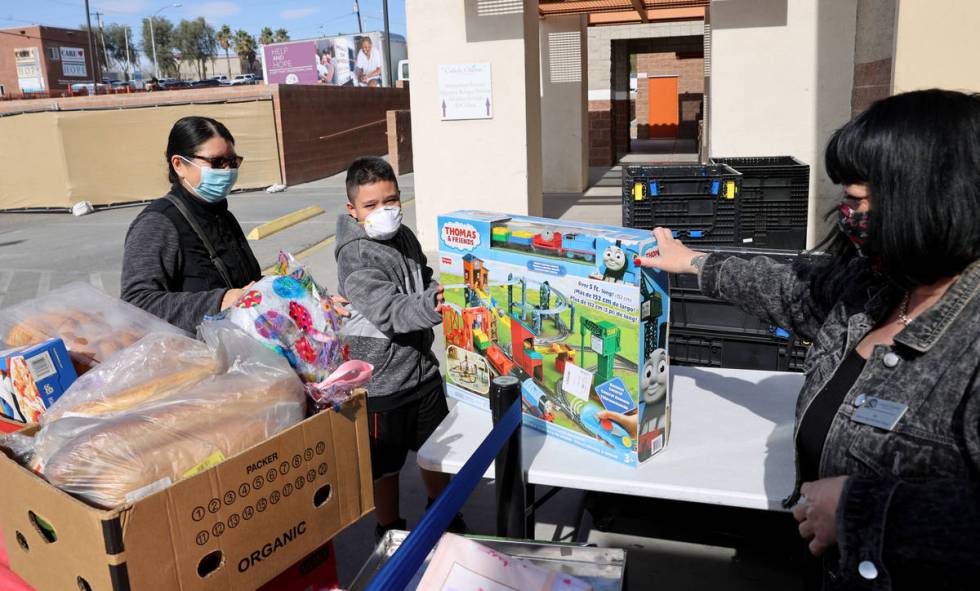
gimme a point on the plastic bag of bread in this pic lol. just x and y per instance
(92, 324)
(118, 448)
(290, 314)
(155, 366)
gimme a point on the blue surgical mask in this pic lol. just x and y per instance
(215, 183)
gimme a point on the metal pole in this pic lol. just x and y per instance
(129, 58)
(91, 51)
(391, 73)
(105, 52)
(508, 467)
(357, 9)
(156, 66)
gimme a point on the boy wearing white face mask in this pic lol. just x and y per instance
(395, 303)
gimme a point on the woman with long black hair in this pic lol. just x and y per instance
(888, 419)
(186, 256)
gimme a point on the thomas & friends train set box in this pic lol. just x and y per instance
(563, 307)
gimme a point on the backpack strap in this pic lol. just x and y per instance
(215, 259)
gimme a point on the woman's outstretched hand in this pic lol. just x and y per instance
(670, 255)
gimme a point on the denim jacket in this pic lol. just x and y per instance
(910, 511)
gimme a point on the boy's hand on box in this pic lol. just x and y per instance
(440, 298)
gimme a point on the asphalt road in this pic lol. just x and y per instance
(43, 251)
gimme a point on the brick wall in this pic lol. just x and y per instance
(600, 133)
(689, 69)
(872, 81)
(353, 121)
(400, 141)
(874, 49)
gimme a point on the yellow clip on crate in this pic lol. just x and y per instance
(638, 191)
(730, 189)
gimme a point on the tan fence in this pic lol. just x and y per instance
(54, 159)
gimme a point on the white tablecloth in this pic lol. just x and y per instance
(730, 444)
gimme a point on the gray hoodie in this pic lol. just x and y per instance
(393, 299)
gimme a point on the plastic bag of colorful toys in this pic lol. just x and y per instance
(290, 314)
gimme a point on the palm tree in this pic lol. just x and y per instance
(245, 48)
(281, 35)
(266, 37)
(224, 37)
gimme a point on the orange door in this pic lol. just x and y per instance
(662, 109)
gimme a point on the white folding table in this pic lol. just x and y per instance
(730, 444)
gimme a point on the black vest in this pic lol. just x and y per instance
(196, 271)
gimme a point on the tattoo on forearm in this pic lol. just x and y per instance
(698, 262)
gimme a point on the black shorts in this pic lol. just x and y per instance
(395, 431)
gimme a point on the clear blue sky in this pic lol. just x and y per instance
(302, 18)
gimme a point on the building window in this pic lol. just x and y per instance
(54, 54)
(1, 90)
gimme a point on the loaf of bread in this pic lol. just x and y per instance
(115, 460)
(92, 324)
(153, 368)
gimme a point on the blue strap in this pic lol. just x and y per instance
(402, 566)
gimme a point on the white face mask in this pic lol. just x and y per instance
(383, 223)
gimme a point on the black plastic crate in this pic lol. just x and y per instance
(690, 310)
(697, 312)
(773, 200)
(722, 327)
(698, 202)
(716, 349)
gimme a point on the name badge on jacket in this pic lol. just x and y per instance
(880, 413)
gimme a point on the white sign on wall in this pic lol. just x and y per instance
(29, 76)
(465, 91)
(73, 62)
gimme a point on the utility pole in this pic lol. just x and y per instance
(98, 18)
(91, 51)
(391, 73)
(129, 58)
(357, 9)
(156, 66)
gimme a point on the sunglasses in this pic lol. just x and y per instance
(221, 161)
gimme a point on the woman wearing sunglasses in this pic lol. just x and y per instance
(186, 256)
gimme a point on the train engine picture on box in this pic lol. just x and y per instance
(568, 245)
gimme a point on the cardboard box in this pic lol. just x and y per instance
(33, 379)
(563, 307)
(234, 526)
(315, 572)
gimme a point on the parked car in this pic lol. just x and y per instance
(174, 84)
(221, 79)
(123, 84)
(89, 88)
(243, 79)
(204, 83)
